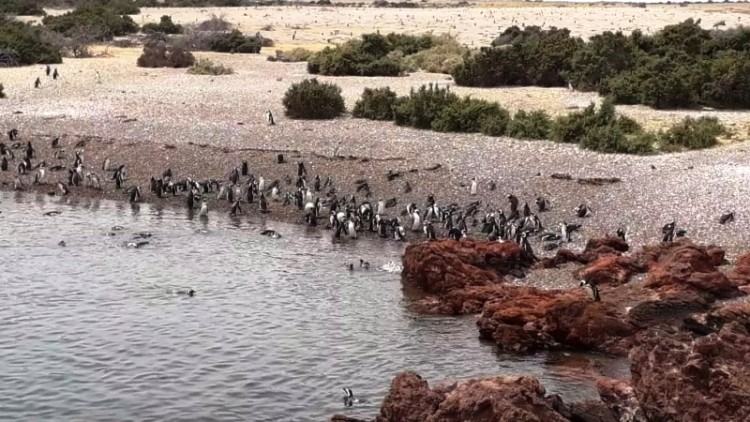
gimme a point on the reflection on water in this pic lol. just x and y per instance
(95, 331)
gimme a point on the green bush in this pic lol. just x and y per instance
(101, 20)
(165, 26)
(207, 67)
(445, 54)
(530, 125)
(311, 99)
(372, 55)
(161, 54)
(24, 44)
(693, 134)
(423, 106)
(375, 104)
(612, 139)
(235, 42)
(21, 8)
(573, 127)
(469, 115)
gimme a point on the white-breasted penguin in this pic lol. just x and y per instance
(582, 211)
(204, 210)
(592, 289)
(473, 186)
(269, 118)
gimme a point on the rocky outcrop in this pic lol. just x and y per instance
(676, 378)
(610, 269)
(595, 249)
(530, 319)
(494, 399)
(685, 265)
(458, 277)
(740, 275)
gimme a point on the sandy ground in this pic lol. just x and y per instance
(136, 112)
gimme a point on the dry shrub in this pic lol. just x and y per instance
(299, 54)
(216, 23)
(161, 54)
(208, 67)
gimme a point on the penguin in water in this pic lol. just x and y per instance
(269, 118)
(592, 289)
(204, 210)
(473, 186)
(726, 218)
(582, 211)
(349, 399)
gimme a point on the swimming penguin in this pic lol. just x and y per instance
(349, 399)
(263, 204)
(473, 187)
(269, 118)
(726, 218)
(135, 195)
(592, 289)
(582, 211)
(204, 210)
(244, 168)
(270, 233)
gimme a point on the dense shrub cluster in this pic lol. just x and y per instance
(161, 54)
(21, 8)
(599, 129)
(235, 42)
(23, 44)
(445, 54)
(207, 67)
(311, 99)
(165, 26)
(105, 21)
(298, 54)
(372, 55)
(682, 65)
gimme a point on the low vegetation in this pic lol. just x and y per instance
(680, 66)
(21, 8)
(105, 21)
(165, 26)
(161, 54)
(311, 99)
(208, 67)
(595, 128)
(298, 54)
(386, 55)
(235, 42)
(25, 44)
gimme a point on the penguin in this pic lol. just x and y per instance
(407, 187)
(493, 185)
(621, 234)
(270, 233)
(167, 174)
(13, 134)
(564, 234)
(416, 220)
(513, 204)
(39, 176)
(249, 194)
(269, 118)
(37, 83)
(261, 185)
(583, 211)
(526, 246)
(526, 210)
(234, 177)
(726, 218)
(29, 150)
(280, 158)
(135, 195)
(62, 190)
(244, 168)
(79, 159)
(105, 165)
(17, 184)
(55, 74)
(56, 142)
(668, 231)
(47, 70)
(4, 164)
(316, 184)
(230, 194)
(275, 194)
(455, 234)
(473, 187)
(364, 264)
(263, 204)
(349, 399)
(351, 229)
(191, 200)
(204, 210)
(301, 172)
(592, 289)
(429, 231)
(381, 207)
(542, 204)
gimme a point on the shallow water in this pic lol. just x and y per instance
(275, 331)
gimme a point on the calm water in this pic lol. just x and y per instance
(92, 332)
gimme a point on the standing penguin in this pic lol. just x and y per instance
(592, 289)
(269, 118)
(37, 83)
(47, 70)
(473, 188)
(204, 210)
(416, 220)
(4, 164)
(429, 231)
(191, 200)
(244, 168)
(55, 74)
(301, 172)
(135, 195)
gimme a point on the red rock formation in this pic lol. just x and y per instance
(684, 265)
(495, 399)
(740, 275)
(609, 269)
(446, 265)
(676, 379)
(595, 249)
(619, 397)
(529, 319)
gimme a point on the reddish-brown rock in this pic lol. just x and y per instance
(495, 399)
(443, 266)
(619, 397)
(595, 249)
(684, 265)
(677, 379)
(530, 319)
(740, 274)
(609, 269)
